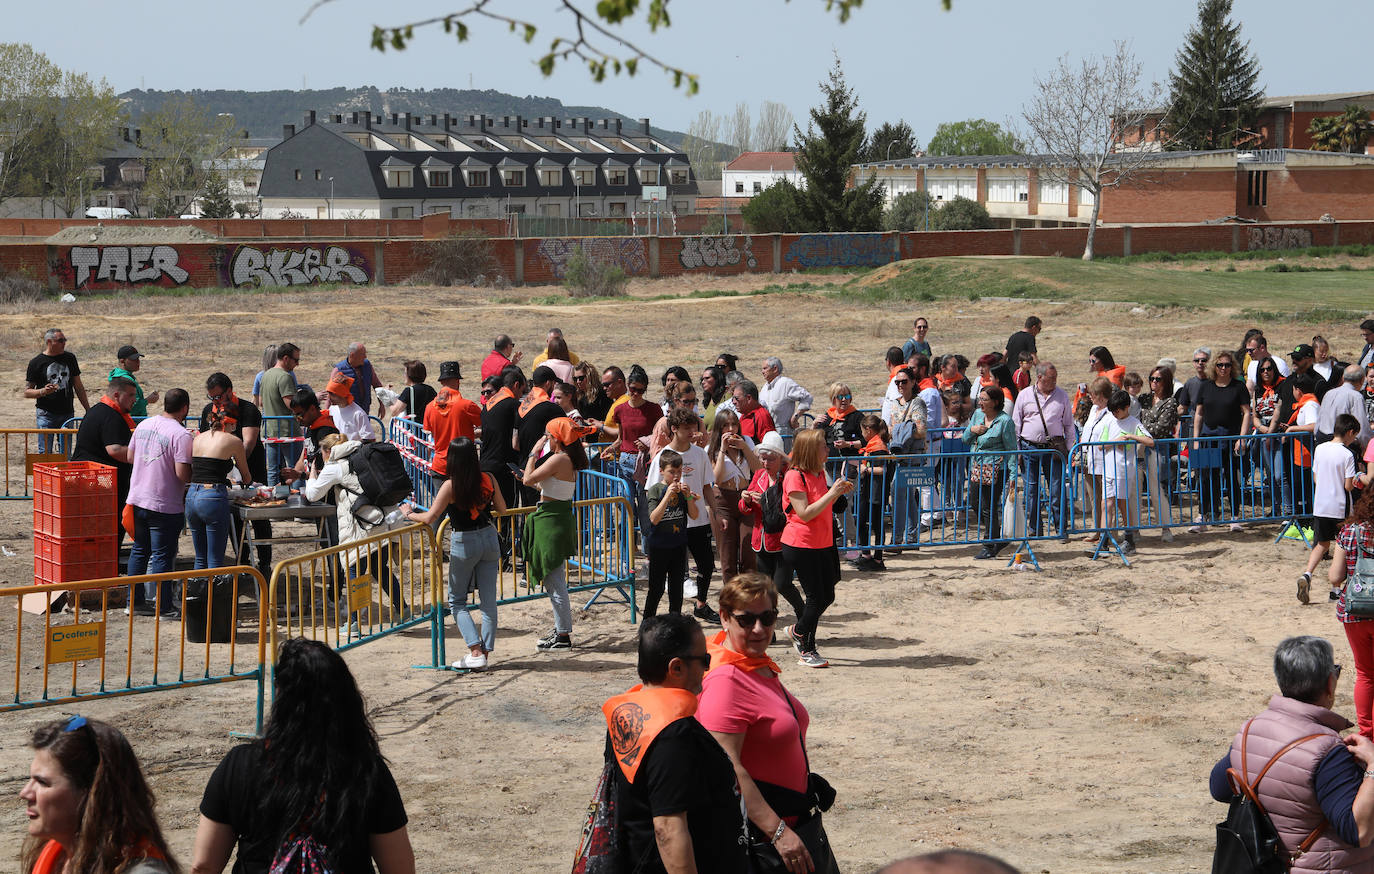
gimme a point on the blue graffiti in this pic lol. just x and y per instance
(840, 250)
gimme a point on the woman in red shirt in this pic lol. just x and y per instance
(808, 541)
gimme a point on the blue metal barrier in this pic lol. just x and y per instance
(416, 446)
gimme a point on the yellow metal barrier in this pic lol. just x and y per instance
(112, 653)
(21, 454)
(336, 594)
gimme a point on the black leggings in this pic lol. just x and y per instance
(770, 564)
(699, 545)
(666, 565)
(817, 570)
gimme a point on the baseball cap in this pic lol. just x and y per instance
(126, 352)
(1302, 350)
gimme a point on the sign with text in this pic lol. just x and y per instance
(72, 643)
(913, 477)
(360, 593)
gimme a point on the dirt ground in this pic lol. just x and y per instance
(1064, 720)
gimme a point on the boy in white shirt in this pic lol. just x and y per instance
(1333, 476)
(700, 477)
(1120, 479)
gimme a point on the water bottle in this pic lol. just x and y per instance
(393, 517)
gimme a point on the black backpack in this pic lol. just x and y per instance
(1247, 842)
(774, 513)
(381, 474)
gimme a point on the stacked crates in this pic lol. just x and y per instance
(74, 533)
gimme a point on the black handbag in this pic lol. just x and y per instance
(1247, 842)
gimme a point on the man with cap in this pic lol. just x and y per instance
(362, 375)
(450, 416)
(537, 409)
(1303, 357)
(129, 362)
(500, 416)
(349, 418)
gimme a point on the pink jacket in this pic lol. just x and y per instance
(1288, 792)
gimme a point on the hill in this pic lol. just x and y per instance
(262, 113)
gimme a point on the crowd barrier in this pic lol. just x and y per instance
(356, 592)
(111, 653)
(24, 448)
(416, 446)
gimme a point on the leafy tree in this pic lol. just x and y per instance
(910, 211)
(1213, 95)
(890, 141)
(976, 136)
(778, 209)
(831, 145)
(1348, 132)
(960, 214)
(180, 140)
(215, 201)
(29, 88)
(1076, 121)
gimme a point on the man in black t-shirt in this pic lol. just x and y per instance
(52, 381)
(675, 787)
(533, 418)
(498, 429)
(219, 388)
(1024, 341)
(105, 433)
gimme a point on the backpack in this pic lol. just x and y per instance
(774, 513)
(381, 474)
(1247, 842)
(300, 855)
(599, 850)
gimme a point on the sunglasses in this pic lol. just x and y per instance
(1225, 364)
(747, 620)
(59, 339)
(608, 384)
(1156, 379)
(1199, 360)
(636, 389)
(704, 659)
(902, 381)
(849, 397)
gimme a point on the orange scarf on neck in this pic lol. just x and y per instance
(536, 396)
(925, 384)
(720, 655)
(635, 718)
(838, 414)
(128, 419)
(222, 404)
(874, 446)
(1302, 456)
(499, 397)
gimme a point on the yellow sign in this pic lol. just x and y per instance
(71, 643)
(360, 593)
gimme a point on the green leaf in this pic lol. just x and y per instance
(546, 65)
(631, 66)
(378, 39)
(529, 32)
(398, 41)
(462, 32)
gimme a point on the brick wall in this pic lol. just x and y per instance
(1184, 196)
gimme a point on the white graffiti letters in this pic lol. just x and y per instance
(128, 264)
(294, 266)
(715, 252)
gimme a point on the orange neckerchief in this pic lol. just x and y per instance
(484, 491)
(1302, 456)
(536, 396)
(499, 397)
(1116, 374)
(721, 655)
(48, 857)
(1301, 402)
(925, 384)
(874, 446)
(944, 383)
(128, 419)
(991, 380)
(837, 415)
(892, 371)
(324, 420)
(635, 718)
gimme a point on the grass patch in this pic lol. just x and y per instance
(934, 278)
(1360, 251)
(1309, 314)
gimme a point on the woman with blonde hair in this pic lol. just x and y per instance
(840, 422)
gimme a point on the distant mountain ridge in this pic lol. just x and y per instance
(262, 113)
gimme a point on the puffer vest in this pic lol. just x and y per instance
(1288, 790)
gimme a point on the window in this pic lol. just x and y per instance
(478, 179)
(1008, 189)
(1085, 196)
(678, 177)
(1257, 188)
(680, 207)
(440, 178)
(97, 173)
(758, 187)
(477, 210)
(403, 212)
(739, 187)
(321, 212)
(318, 175)
(514, 178)
(950, 187)
(616, 208)
(550, 178)
(298, 175)
(585, 177)
(1053, 192)
(398, 179)
(553, 210)
(586, 209)
(615, 177)
(518, 209)
(648, 176)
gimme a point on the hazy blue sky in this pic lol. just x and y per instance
(906, 59)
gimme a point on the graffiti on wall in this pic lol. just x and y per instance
(297, 265)
(1278, 238)
(126, 265)
(839, 250)
(628, 254)
(716, 252)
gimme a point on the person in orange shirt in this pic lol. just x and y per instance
(450, 416)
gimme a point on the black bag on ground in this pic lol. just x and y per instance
(1247, 842)
(381, 474)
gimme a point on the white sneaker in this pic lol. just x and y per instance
(471, 662)
(1167, 536)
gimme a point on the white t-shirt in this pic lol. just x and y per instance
(1121, 461)
(1309, 413)
(696, 473)
(1253, 370)
(1332, 465)
(1093, 432)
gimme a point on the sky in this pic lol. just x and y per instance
(905, 59)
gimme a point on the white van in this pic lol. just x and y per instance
(108, 212)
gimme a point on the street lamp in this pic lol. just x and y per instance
(331, 196)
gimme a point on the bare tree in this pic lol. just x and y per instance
(1078, 119)
(702, 145)
(775, 123)
(741, 127)
(30, 87)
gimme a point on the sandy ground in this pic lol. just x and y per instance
(1064, 720)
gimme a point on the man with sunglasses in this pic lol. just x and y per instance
(674, 787)
(52, 381)
(1187, 396)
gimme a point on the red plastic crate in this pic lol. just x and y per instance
(75, 550)
(74, 484)
(64, 525)
(48, 571)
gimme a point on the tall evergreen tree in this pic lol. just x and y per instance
(1213, 89)
(833, 142)
(890, 141)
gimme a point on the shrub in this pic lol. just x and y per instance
(960, 214)
(714, 225)
(588, 277)
(18, 288)
(463, 259)
(909, 211)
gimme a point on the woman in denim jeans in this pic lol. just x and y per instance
(213, 454)
(470, 497)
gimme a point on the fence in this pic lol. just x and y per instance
(416, 446)
(112, 654)
(21, 454)
(334, 595)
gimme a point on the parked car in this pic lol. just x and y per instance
(108, 212)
